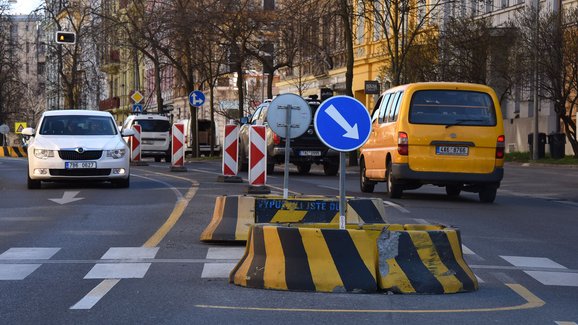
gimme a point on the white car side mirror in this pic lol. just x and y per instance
(127, 132)
(28, 132)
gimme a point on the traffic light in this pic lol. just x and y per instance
(65, 37)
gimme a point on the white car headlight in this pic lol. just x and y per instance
(43, 153)
(116, 154)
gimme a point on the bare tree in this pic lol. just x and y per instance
(556, 43)
(10, 85)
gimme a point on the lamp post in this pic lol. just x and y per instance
(535, 144)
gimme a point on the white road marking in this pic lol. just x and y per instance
(422, 221)
(130, 253)
(23, 219)
(565, 323)
(397, 206)
(541, 262)
(329, 187)
(480, 279)
(67, 197)
(217, 270)
(555, 278)
(29, 253)
(94, 296)
(467, 251)
(225, 253)
(118, 271)
(17, 271)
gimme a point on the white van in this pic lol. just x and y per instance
(155, 135)
(204, 144)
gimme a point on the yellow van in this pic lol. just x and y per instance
(439, 133)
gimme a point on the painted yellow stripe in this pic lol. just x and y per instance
(365, 245)
(459, 257)
(288, 216)
(323, 269)
(245, 216)
(531, 302)
(175, 215)
(217, 218)
(274, 275)
(394, 277)
(430, 258)
(240, 277)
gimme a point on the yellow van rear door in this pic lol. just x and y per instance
(435, 148)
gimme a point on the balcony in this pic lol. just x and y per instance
(109, 104)
(110, 62)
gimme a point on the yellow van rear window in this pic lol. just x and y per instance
(452, 107)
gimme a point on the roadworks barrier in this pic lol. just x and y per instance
(409, 259)
(16, 152)
(233, 215)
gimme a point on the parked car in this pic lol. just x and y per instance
(445, 134)
(204, 130)
(77, 145)
(155, 135)
(306, 149)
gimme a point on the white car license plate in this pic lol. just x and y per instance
(79, 164)
(309, 153)
(452, 151)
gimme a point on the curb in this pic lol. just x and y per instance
(412, 259)
(233, 215)
(16, 152)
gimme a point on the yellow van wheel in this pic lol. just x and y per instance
(393, 190)
(488, 193)
(365, 184)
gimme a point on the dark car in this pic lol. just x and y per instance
(306, 149)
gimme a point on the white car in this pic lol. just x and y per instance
(77, 145)
(155, 135)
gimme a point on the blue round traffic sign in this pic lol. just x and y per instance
(342, 123)
(196, 98)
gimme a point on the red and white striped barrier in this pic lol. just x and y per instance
(135, 144)
(257, 156)
(231, 150)
(178, 147)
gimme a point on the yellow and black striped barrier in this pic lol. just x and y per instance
(16, 152)
(423, 259)
(234, 214)
(307, 259)
(362, 258)
(232, 217)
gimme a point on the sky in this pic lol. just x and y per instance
(24, 7)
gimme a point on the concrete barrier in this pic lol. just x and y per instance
(16, 152)
(234, 214)
(307, 259)
(422, 259)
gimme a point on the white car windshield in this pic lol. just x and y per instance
(77, 125)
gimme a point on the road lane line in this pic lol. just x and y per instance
(94, 296)
(532, 301)
(397, 206)
(106, 285)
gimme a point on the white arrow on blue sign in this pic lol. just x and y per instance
(196, 98)
(137, 108)
(342, 123)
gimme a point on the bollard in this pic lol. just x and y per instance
(257, 160)
(178, 148)
(230, 155)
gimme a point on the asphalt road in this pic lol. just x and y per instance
(93, 254)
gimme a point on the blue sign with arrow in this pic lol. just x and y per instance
(196, 98)
(342, 123)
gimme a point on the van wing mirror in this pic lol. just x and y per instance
(127, 132)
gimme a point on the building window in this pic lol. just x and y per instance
(504, 3)
(489, 4)
(268, 4)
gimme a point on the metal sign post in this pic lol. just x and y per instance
(287, 125)
(343, 124)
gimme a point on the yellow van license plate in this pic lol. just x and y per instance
(452, 151)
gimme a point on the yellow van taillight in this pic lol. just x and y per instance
(500, 147)
(402, 144)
